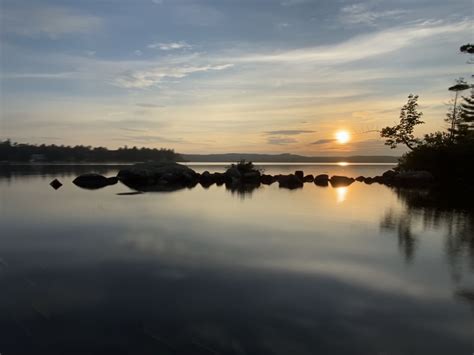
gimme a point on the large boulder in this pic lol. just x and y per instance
(169, 175)
(233, 173)
(340, 181)
(251, 177)
(322, 180)
(267, 179)
(299, 174)
(289, 181)
(93, 181)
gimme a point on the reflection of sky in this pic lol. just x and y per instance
(279, 271)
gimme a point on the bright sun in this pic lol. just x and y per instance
(343, 137)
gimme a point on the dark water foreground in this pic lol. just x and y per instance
(352, 270)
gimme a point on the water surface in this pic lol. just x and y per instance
(356, 270)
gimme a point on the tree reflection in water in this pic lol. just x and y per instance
(452, 211)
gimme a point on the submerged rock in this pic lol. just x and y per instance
(341, 181)
(94, 181)
(55, 184)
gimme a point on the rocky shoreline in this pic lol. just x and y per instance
(170, 176)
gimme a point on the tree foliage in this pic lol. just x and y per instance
(26, 152)
(454, 117)
(402, 133)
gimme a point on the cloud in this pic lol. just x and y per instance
(363, 46)
(289, 132)
(149, 105)
(145, 139)
(361, 14)
(281, 140)
(170, 46)
(133, 129)
(324, 141)
(147, 78)
(53, 22)
(138, 52)
(293, 2)
(58, 75)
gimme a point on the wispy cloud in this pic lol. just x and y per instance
(53, 22)
(362, 14)
(364, 46)
(289, 132)
(149, 139)
(293, 2)
(170, 46)
(147, 78)
(149, 105)
(281, 140)
(324, 141)
(58, 75)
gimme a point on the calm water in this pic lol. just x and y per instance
(356, 270)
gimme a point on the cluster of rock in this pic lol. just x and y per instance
(169, 176)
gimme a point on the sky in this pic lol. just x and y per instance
(221, 76)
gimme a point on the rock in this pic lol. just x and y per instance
(289, 181)
(389, 174)
(299, 174)
(158, 176)
(55, 184)
(413, 178)
(369, 180)
(340, 181)
(251, 177)
(267, 179)
(308, 178)
(207, 179)
(322, 180)
(93, 181)
(233, 173)
(360, 178)
(380, 180)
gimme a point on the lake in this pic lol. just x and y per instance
(363, 269)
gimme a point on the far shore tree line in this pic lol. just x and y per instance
(448, 154)
(17, 152)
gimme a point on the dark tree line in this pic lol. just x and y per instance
(16, 152)
(447, 154)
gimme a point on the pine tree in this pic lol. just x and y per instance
(466, 113)
(453, 117)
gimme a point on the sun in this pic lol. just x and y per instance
(343, 137)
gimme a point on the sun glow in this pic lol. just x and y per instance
(343, 137)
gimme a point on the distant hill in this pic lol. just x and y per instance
(286, 158)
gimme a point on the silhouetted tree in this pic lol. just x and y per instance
(26, 152)
(453, 117)
(466, 113)
(402, 133)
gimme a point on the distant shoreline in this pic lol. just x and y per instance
(341, 163)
